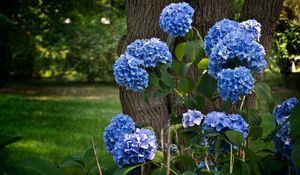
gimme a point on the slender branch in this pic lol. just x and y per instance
(169, 151)
(242, 103)
(162, 141)
(97, 161)
(206, 162)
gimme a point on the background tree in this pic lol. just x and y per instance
(142, 22)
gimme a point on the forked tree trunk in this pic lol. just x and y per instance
(142, 22)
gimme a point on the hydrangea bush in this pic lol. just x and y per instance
(211, 130)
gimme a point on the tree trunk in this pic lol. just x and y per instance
(266, 12)
(142, 22)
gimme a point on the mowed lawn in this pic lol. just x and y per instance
(57, 120)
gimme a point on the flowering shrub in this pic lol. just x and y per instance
(215, 134)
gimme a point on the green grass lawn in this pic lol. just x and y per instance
(57, 120)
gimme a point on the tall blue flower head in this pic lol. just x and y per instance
(176, 19)
(234, 83)
(217, 33)
(282, 139)
(150, 51)
(128, 73)
(234, 50)
(120, 124)
(252, 27)
(220, 122)
(192, 118)
(135, 148)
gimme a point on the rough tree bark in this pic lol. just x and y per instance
(142, 22)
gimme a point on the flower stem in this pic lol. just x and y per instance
(242, 103)
(169, 151)
(95, 154)
(231, 159)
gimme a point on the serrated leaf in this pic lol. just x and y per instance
(208, 85)
(36, 167)
(185, 85)
(235, 137)
(180, 50)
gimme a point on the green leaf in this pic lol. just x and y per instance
(170, 40)
(295, 122)
(208, 85)
(6, 140)
(296, 153)
(127, 169)
(185, 85)
(197, 102)
(235, 137)
(264, 94)
(253, 117)
(184, 160)
(180, 50)
(36, 167)
(187, 67)
(71, 162)
(203, 64)
(159, 171)
(190, 50)
(153, 80)
(158, 157)
(178, 68)
(189, 173)
(166, 77)
(255, 132)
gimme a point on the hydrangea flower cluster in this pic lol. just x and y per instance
(252, 27)
(231, 46)
(233, 83)
(282, 139)
(128, 73)
(176, 19)
(237, 49)
(192, 118)
(120, 124)
(217, 33)
(135, 148)
(220, 122)
(150, 51)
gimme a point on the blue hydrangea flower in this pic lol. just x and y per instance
(192, 118)
(150, 51)
(234, 50)
(176, 19)
(128, 73)
(282, 139)
(217, 33)
(135, 148)
(252, 27)
(120, 124)
(233, 83)
(221, 122)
